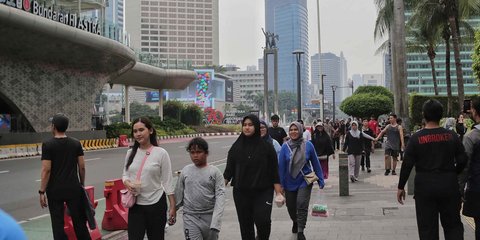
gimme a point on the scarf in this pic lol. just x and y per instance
(267, 136)
(355, 134)
(298, 147)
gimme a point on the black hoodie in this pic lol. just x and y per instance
(251, 162)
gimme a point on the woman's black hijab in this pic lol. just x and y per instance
(247, 144)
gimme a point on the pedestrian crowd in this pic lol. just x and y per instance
(267, 166)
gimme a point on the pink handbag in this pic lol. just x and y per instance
(128, 199)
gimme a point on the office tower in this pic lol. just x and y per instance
(335, 69)
(289, 20)
(174, 31)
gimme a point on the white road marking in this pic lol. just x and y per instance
(38, 180)
(221, 160)
(229, 146)
(6, 171)
(92, 159)
(46, 215)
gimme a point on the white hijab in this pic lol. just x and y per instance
(355, 134)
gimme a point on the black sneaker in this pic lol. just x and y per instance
(394, 173)
(369, 170)
(387, 172)
(301, 236)
(295, 227)
(352, 178)
(363, 169)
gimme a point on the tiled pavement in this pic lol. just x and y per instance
(370, 212)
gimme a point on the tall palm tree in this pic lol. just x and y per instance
(438, 14)
(424, 39)
(401, 103)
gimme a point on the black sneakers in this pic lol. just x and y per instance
(363, 168)
(369, 170)
(387, 172)
(394, 173)
(295, 227)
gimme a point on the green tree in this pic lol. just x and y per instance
(476, 58)
(374, 90)
(391, 20)
(424, 38)
(172, 109)
(140, 110)
(192, 114)
(449, 15)
(366, 104)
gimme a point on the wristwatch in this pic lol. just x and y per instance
(41, 192)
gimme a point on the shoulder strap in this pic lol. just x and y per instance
(139, 173)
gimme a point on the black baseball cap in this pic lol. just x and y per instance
(60, 122)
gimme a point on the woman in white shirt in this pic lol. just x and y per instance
(149, 213)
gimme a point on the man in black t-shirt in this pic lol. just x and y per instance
(438, 157)
(276, 132)
(60, 180)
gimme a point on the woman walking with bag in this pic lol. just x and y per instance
(298, 163)
(323, 146)
(148, 175)
(252, 168)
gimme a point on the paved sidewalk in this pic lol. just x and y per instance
(370, 212)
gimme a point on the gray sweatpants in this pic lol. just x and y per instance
(297, 205)
(197, 227)
(354, 164)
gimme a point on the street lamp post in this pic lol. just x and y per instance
(334, 88)
(298, 53)
(322, 98)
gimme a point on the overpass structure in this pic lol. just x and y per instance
(48, 65)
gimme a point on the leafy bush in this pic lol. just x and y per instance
(192, 115)
(416, 104)
(172, 109)
(476, 58)
(366, 104)
(116, 129)
(374, 90)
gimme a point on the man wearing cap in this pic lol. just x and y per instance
(61, 181)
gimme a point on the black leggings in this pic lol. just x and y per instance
(254, 207)
(148, 218)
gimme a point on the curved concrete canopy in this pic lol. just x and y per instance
(143, 75)
(27, 37)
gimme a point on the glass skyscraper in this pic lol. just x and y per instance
(289, 20)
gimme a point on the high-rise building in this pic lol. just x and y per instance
(372, 79)
(419, 73)
(244, 83)
(335, 69)
(357, 81)
(289, 20)
(114, 13)
(175, 31)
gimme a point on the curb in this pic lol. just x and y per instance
(26, 150)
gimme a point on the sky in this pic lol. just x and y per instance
(346, 25)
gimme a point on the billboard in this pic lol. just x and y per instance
(202, 94)
(152, 96)
(228, 91)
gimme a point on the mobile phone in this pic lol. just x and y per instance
(467, 105)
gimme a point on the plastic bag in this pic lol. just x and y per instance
(319, 210)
